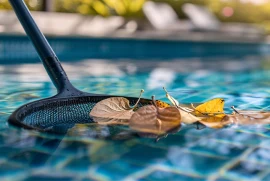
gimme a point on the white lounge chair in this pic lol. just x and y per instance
(163, 17)
(204, 20)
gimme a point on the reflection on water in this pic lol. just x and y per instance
(93, 152)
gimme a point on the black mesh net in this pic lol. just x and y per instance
(48, 113)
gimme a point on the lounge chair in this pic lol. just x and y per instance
(163, 17)
(204, 20)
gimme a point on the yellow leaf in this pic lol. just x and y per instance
(162, 104)
(213, 107)
(216, 121)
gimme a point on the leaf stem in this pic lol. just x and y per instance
(136, 104)
(154, 101)
(233, 108)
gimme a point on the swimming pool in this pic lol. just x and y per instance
(112, 152)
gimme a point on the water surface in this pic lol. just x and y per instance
(112, 153)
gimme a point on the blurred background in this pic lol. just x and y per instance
(103, 28)
(252, 16)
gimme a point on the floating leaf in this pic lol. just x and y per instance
(114, 110)
(157, 137)
(171, 99)
(216, 121)
(250, 117)
(152, 119)
(176, 103)
(162, 104)
(188, 118)
(113, 121)
(211, 108)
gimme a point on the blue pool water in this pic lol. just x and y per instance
(91, 152)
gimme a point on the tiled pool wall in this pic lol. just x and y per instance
(18, 48)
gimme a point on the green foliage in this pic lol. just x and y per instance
(243, 12)
(35, 5)
(102, 7)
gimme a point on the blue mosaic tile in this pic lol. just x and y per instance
(246, 170)
(1, 140)
(79, 164)
(31, 158)
(222, 179)
(259, 155)
(56, 160)
(234, 136)
(216, 148)
(6, 151)
(191, 130)
(118, 169)
(145, 154)
(74, 147)
(49, 177)
(266, 177)
(171, 140)
(184, 161)
(9, 169)
(159, 175)
(114, 154)
(88, 179)
(49, 145)
(111, 150)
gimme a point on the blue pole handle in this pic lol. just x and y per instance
(45, 52)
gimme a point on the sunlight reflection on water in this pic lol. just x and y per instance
(114, 153)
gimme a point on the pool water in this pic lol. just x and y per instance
(90, 152)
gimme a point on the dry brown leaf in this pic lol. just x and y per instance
(152, 119)
(250, 117)
(114, 107)
(114, 110)
(110, 121)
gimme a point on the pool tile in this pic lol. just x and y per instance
(266, 177)
(31, 158)
(191, 130)
(118, 169)
(145, 154)
(81, 164)
(9, 169)
(217, 148)
(261, 155)
(88, 179)
(246, 171)
(73, 147)
(159, 175)
(49, 177)
(237, 137)
(191, 163)
(1, 139)
(222, 179)
(6, 151)
(171, 140)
